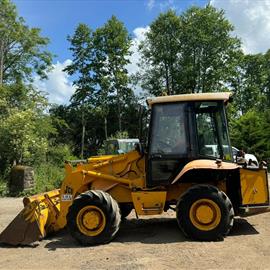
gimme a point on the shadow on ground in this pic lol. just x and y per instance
(242, 227)
(147, 231)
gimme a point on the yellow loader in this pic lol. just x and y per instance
(179, 170)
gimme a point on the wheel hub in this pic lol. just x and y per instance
(205, 214)
(91, 220)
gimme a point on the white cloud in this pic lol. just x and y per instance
(58, 86)
(150, 4)
(165, 5)
(251, 20)
(161, 5)
(139, 36)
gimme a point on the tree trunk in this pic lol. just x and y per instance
(119, 112)
(193, 89)
(1, 62)
(105, 128)
(83, 134)
(167, 79)
(140, 122)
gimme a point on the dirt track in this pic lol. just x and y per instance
(143, 244)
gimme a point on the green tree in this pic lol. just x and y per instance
(160, 54)
(81, 66)
(22, 140)
(209, 50)
(192, 53)
(248, 84)
(22, 49)
(111, 48)
(266, 82)
(251, 132)
(99, 61)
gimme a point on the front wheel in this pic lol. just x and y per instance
(205, 213)
(93, 218)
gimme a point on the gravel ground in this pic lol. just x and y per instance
(148, 243)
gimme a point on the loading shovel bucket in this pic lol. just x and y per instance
(35, 221)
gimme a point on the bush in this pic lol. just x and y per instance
(58, 154)
(3, 187)
(48, 176)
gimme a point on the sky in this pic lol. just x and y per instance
(59, 18)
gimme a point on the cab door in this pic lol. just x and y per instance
(168, 143)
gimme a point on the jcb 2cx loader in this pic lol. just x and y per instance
(176, 172)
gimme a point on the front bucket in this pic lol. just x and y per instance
(34, 221)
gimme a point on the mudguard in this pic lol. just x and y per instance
(205, 164)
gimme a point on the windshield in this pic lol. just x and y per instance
(168, 134)
(212, 132)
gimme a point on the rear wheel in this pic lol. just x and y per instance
(205, 213)
(94, 218)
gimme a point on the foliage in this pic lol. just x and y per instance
(25, 125)
(210, 52)
(58, 154)
(48, 176)
(82, 52)
(3, 187)
(248, 82)
(22, 141)
(22, 49)
(68, 125)
(251, 133)
(160, 55)
(111, 48)
(191, 53)
(50, 173)
(99, 60)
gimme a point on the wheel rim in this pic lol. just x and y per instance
(91, 220)
(205, 214)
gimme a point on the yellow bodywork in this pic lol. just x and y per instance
(149, 202)
(124, 178)
(254, 186)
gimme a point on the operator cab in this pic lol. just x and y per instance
(184, 128)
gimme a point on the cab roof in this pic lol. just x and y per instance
(190, 97)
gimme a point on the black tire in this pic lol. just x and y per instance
(125, 209)
(107, 207)
(198, 196)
